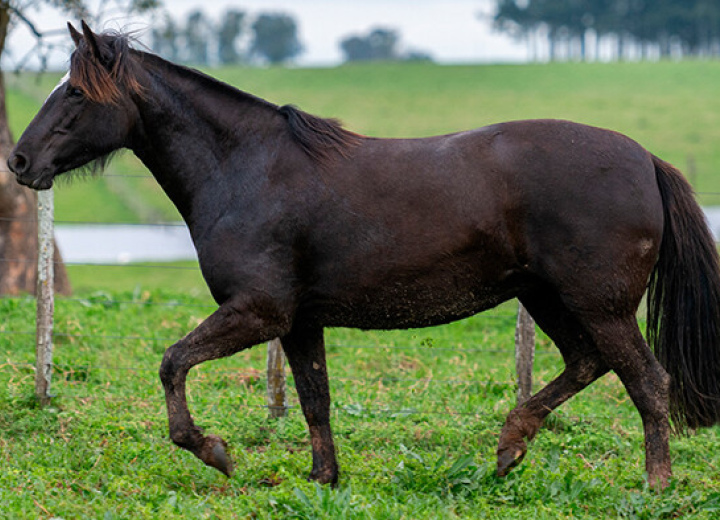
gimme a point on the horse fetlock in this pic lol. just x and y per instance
(186, 437)
(521, 422)
(659, 479)
(325, 476)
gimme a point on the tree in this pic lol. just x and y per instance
(275, 38)
(197, 37)
(231, 27)
(380, 44)
(356, 48)
(165, 39)
(18, 225)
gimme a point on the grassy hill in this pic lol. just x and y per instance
(671, 108)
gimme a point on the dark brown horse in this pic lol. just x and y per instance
(301, 225)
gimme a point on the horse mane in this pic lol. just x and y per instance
(320, 138)
(103, 80)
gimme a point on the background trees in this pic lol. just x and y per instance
(379, 44)
(271, 38)
(231, 28)
(197, 35)
(583, 29)
(238, 37)
(275, 38)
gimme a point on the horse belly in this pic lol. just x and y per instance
(448, 293)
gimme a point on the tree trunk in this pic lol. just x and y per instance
(18, 213)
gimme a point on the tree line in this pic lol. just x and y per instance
(268, 37)
(612, 29)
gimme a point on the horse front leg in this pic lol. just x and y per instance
(305, 350)
(230, 329)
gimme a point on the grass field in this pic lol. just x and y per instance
(416, 413)
(416, 416)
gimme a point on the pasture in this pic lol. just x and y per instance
(416, 414)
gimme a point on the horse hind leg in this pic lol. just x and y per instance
(646, 381)
(228, 330)
(583, 365)
(305, 351)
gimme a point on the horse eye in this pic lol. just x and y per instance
(75, 92)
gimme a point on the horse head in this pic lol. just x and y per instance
(89, 115)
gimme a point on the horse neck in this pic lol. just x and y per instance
(197, 134)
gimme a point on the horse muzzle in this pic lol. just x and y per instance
(19, 164)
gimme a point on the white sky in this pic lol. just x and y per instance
(450, 30)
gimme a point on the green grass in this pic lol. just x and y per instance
(416, 416)
(180, 277)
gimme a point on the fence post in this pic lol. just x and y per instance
(45, 297)
(524, 353)
(276, 379)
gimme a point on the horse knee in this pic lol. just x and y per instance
(169, 366)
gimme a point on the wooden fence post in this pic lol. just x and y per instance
(276, 379)
(524, 353)
(45, 297)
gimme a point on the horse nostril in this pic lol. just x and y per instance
(18, 163)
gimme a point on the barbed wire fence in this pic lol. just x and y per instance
(277, 402)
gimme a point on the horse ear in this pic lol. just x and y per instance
(91, 41)
(74, 34)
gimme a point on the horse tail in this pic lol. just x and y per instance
(683, 324)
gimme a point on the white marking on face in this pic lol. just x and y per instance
(64, 80)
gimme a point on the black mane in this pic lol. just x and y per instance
(320, 138)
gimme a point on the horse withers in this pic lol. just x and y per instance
(300, 224)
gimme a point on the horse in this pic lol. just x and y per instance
(301, 224)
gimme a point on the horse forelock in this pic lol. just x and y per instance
(104, 80)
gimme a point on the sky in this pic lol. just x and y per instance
(450, 30)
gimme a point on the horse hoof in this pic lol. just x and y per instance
(508, 459)
(222, 461)
(217, 456)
